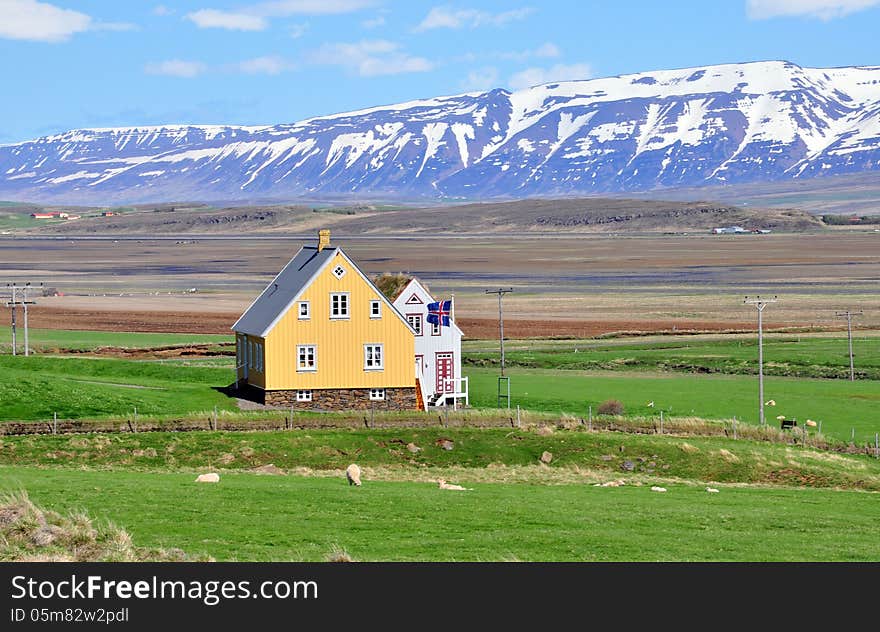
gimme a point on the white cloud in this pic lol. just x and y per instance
(298, 30)
(176, 68)
(544, 51)
(161, 10)
(373, 23)
(282, 8)
(214, 19)
(484, 78)
(560, 72)
(547, 50)
(447, 17)
(267, 65)
(371, 58)
(40, 21)
(255, 17)
(822, 9)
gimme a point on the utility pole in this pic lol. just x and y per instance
(501, 292)
(848, 315)
(760, 303)
(13, 303)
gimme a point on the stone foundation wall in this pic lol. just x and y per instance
(345, 399)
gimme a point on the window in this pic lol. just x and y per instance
(305, 312)
(259, 347)
(375, 309)
(304, 396)
(251, 354)
(373, 358)
(306, 358)
(339, 305)
(377, 394)
(415, 321)
(435, 329)
(339, 272)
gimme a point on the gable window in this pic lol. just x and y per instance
(374, 357)
(304, 396)
(435, 329)
(306, 358)
(375, 309)
(339, 272)
(415, 321)
(377, 394)
(304, 310)
(339, 305)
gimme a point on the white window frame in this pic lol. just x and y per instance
(251, 355)
(377, 394)
(259, 346)
(372, 364)
(308, 310)
(435, 329)
(341, 272)
(378, 311)
(304, 395)
(420, 330)
(307, 369)
(340, 316)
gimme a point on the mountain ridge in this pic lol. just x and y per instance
(691, 127)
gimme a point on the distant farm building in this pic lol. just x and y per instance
(438, 347)
(321, 335)
(107, 214)
(50, 215)
(729, 230)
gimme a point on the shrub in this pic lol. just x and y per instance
(610, 407)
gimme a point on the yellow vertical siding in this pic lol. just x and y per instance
(339, 343)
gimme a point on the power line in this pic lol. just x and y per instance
(848, 315)
(760, 302)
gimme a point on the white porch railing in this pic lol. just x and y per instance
(456, 388)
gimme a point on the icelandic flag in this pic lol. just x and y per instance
(438, 313)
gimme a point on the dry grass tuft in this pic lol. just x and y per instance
(338, 554)
(688, 448)
(728, 456)
(29, 533)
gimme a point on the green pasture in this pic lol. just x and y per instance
(840, 405)
(487, 454)
(792, 356)
(35, 387)
(56, 339)
(262, 518)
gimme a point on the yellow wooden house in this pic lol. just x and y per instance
(321, 335)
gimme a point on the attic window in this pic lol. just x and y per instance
(339, 272)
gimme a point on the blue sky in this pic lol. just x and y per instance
(101, 63)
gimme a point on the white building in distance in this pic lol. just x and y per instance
(438, 349)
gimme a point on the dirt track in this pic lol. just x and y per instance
(474, 328)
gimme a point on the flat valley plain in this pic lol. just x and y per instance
(579, 286)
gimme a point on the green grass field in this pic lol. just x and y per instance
(839, 404)
(793, 356)
(47, 339)
(262, 518)
(36, 387)
(478, 455)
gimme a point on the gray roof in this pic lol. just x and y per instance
(283, 290)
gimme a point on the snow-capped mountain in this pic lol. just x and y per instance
(763, 121)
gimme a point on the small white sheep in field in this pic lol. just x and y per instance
(353, 474)
(711, 490)
(208, 478)
(617, 483)
(445, 485)
(658, 489)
